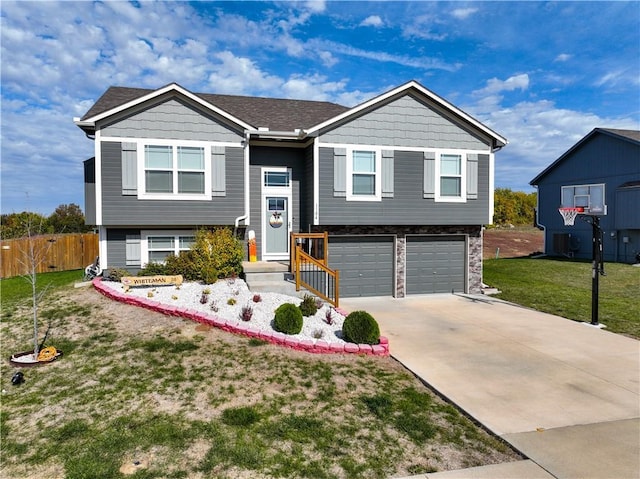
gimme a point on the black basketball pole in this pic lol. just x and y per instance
(597, 268)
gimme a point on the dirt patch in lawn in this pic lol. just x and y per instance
(137, 388)
(512, 242)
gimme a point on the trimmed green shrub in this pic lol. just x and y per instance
(288, 319)
(213, 255)
(360, 328)
(308, 307)
(153, 269)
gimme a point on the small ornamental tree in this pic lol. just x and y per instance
(31, 256)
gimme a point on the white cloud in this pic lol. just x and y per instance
(463, 13)
(538, 133)
(420, 62)
(563, 57)
(372, 21)
(425, 27)
(328, 60)
(516, 82)
(618, 77)
(240, 76)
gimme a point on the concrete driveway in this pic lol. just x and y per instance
(564, 393)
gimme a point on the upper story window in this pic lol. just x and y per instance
(451, 176)
(363, 175)
(174, 170)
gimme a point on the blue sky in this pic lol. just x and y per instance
(542, 74)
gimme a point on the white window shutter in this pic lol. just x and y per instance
(472, 176)
(218, 171)
(132, 254)
(339, 172)
(129, 169)
(429, 184)
(387, 174)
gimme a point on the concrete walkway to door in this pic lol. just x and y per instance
(564, 393)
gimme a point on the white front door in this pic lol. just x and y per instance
(276, 216)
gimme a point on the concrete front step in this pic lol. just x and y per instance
(282, 287)
(270, 277)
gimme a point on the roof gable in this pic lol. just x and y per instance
(412, 88)
(632, 136)
(250, 112)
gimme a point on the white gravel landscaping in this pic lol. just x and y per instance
(188, 296)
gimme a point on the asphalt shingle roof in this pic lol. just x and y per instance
(274, 113)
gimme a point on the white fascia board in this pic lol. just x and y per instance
(161, 91)
(402, 88)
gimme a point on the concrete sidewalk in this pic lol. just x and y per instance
(564, 393)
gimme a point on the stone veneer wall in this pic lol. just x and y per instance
(474, 247)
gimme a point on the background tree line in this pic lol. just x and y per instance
(65, 219)
(514, 207)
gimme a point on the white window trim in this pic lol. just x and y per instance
(378, 174)
(143, 195)
(144, 242)
(439, 198)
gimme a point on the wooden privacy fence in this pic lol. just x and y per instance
(61, 252)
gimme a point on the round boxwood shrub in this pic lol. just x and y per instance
(360, 328)
(288, 319)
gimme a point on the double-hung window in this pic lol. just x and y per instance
(160, 245)
(175, 171)
(451, 176)
(363, 175)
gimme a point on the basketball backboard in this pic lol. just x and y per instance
(589, 198)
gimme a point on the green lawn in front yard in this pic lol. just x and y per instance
(187, 401)
(563, 287)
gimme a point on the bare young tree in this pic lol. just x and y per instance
(31, 255)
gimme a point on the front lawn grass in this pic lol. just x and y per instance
(135, 386)
(563, 287)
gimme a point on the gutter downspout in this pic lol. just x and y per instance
(245, 216)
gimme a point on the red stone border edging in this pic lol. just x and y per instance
(320, 346)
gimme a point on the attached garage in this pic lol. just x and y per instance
(366, 264)
(436, 264)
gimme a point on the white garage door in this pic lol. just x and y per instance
(436, 264)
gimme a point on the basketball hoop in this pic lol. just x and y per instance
(569, 214)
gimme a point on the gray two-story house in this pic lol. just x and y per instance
(403, 183)
(606, 160)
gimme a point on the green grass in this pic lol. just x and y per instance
(134, 385)
(18, 288)
(563, 287)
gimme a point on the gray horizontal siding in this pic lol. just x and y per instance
(120, 210)
(408, 206)
(172, 119)
(117, 248)
(406, 122)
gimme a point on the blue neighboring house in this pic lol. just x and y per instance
(402, 183)
(606, 157)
